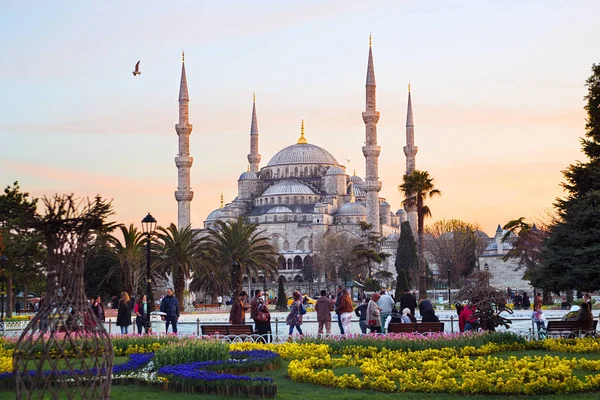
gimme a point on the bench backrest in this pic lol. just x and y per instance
(567, 325)
(227, 330)
(420, 327)
(239, 329)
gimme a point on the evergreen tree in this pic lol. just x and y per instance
(367, 250)
(572, 251)
(281, 297)
(407, 260)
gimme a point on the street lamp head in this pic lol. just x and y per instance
(486, 266)
(148, 225)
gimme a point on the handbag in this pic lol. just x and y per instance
(372, 322)
(302, 309)
(262, 316)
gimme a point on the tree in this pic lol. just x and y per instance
(179, 254)
(130, 258)
(452, 244)
(416, 188)
(572, 250)
(335, 257)
(240, 248)
(367, 250)
(23, 245)
(407, 261)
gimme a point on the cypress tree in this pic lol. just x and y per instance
(407, 259)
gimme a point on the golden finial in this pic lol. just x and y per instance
(408, 86)
(248, 168)
(352, 198)
(302, 139)
(355, 172)
(254, 97)
(221, 199)
(370, 39)
(182, 56)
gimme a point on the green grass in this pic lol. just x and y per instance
(62, 365)
(289, 390)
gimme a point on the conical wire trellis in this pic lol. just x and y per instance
(65, 351)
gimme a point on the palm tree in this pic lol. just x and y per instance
(238, 248)
(179, 253)
(129, 257)
(416, 188)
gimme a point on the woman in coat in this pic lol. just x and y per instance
(373, 320)
(124, 313)
(294, 318)
(344, 310)
(141, 314)
(237, 315)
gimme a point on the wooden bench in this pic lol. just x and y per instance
(569, 328)
(419, 327)
(208, 305)
(230, 332)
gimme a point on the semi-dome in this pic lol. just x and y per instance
(384, 203)
(335, 170)
(215, 215)
(287, 187)
(352, 208)
(400, 212)
(358, 191)
(279, 209)
(248, 175)
(356, 179)
(302, 153)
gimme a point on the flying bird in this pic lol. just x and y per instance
(348, 160)
(137, 69)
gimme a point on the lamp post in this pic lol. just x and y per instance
(149, 227)
(3, 261)
(487, 273)
(450, 263)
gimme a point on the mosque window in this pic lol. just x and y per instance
(304, 218)
(274, 218)
(279, 200)
(347, 220)
(286, 245)
(301, 199)
(296, 171)
(305, 170)
(287, 171)
(272, 200)
(295, 217)
(289, 264)
(281, 263)
(297, 262)
(285, 200)
(277, 173)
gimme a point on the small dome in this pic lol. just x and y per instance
(278, 210)
(248, 175)
(384, 203)
(352, 208)
(356, 179)
(400, 212)
(335, 171)
(287, 187)
(358, 191)
(215, 215)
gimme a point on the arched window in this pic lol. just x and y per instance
(277, 173)
(298, 278)
(296, 171)
(274, 218)
(301, 199)
(272, 200)
(286, 245)
(279, 200)
(295, 217)
(281, 263)
(289, 263)
(285, 200)
(297, 262)
(300, 245)
(287, 171)
(305, 170)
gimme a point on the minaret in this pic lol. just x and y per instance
(254, 157)
(183, 161)
(410, 150)
(371, 151)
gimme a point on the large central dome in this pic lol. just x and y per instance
(305, 153)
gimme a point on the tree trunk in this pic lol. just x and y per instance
(9, 296)
(570, 296)
(420, 249)
(179, 283)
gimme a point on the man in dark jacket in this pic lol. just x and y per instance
(408, 301)
(170, 306)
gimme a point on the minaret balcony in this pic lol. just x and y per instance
(371, 151)
(370, 117)
(184, 161)
(183, 129)
(371, 186)
(184, 195)
(410, 151)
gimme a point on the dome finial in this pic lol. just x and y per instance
(221, 199)
(408, 86)
(182, 56)
(354, 172)
(254, 97)
(352, 198)
(370, 39)
(248, 168)
(302, 139)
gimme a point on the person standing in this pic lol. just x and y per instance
(374, 314)
(338, 297)
(526, 303)
(124, 313)
(324, 308)
(345, 310)
(170, 306)
(260, 314)
(141, 314)
(386, 305)
(255, 303)
(294, 318)
(237, 315)
(361, 313)
(98, 309)
(408, 301)
(220, 299)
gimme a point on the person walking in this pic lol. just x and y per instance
(525, 301)
(386, 305)
(237, 315)
(294, 318)
(345, 310)
(537, 302)
(338, 297)
(407, 300)
(324, 308)
(170, 306)
(141, 314)
(361, 313)
(124, 314)
(374, 314)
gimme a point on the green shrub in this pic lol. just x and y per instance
(186, 351)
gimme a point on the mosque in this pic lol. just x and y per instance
(303, 193)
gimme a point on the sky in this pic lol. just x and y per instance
(497, 91)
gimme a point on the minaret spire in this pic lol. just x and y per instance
(371, 151)
(410, 150)
(183, 161)
(254, 157)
